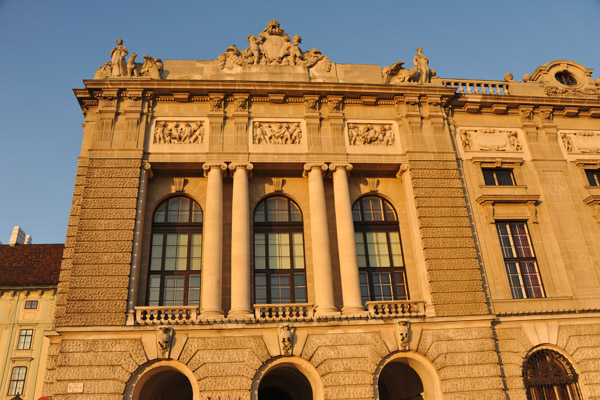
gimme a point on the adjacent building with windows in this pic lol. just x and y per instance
(271, 224)
(28, 280)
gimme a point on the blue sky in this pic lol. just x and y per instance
(48, 47)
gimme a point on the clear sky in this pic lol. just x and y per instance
(48, 47)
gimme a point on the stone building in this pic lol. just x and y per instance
(271, 224)
(28, 280)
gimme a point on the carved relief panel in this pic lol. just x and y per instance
(499, 141)
(580, 144)
(179, 135)
(371, 136)
(279, 135)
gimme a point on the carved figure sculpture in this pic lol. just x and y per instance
(151, 68)
(131, 66)
(273, 47)
(286, 338)
(197, 133)
(164, 337)
(117, 55)
(159, 132)
(466, 140)
(513, 140)
(567, 142)
(279, 133)
(370, 134)
(403, 335)
(178, 133)
(422, 66)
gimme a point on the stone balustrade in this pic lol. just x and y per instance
(283, 312)
(467, 86)
(395, 309)
(165, 315)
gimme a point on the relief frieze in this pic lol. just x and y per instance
(490, 139)
(581, 141)
(278, 133)
(178, 132)
(365, 134)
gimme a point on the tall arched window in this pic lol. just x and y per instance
(279, 275)
(176, 253)
(549, 375)
(379, 250)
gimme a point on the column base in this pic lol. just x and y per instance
(240, 314)
(354, 310)
(326, 311)
(211, 313)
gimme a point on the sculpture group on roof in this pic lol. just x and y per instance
(420, 73)
(117, 67)
(273, 47)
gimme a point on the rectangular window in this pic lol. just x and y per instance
(25, 337)
(593, 176)
(17, 381)
(519, 260)
(31, 304)
(498, 176)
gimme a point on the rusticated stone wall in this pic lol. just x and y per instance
(580, 343)
(466, 362)
(99, 244)
(448, 245)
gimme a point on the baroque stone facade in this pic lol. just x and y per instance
(353, 233)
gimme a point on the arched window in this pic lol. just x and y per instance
(549, 375)
(379, 250)
(279, 275)
(176, 253)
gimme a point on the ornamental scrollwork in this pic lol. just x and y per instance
(273, 47)
(276, 132)
(584, 142)
(371, 134)
(490, 139)
(166, 132)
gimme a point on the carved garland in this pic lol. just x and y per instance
(371, 134)
(178, 132)
(276, 132)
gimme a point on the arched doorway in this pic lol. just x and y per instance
(284, 383)
(166, 385)
(398, 381)
(548, 374)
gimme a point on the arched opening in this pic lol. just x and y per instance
(547, 374)
(398, 381)
(285, 383)
(166, 384)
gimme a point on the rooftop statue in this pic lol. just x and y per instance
(273, 47)
(420, 73)
(117, 67)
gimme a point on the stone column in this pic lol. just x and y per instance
(240, 242)
(346, 242)
(319, 233)
(212, 270)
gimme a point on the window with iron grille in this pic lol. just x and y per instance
(176, 253)
(379, 250)
(519, 260)
(25, 338)
(279, 273)
(17, 381)
(547, 374)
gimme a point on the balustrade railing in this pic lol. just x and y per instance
(166, 315)
(467, 86)
(395, 308)
(283, 312)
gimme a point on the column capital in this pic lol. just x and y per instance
(208, 166)
(310, 166)
(234, 166)
(335, 166)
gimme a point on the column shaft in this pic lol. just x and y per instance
(346, 242)
(323, 281)
(212, 270)
(240, 242)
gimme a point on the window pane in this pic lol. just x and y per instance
(259, 213)
(505, 177)
(377, 248)
(182, 252)
(196, 213)
(196, 252)
(382, 286)
(364, 287)
(260, 289)
(298, 250)
(390, 215)
(401, 287)
(154, 290)
(279, 250)
(299, 288)
(173, 211)
(356, 212)
(194, 290)
(17, 381)
(295, 213)
(396, 247)
(173, 290)
(184, 210)
(280, 289)
(260, 260)
(159, 215)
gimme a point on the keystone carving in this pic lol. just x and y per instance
(286, 339)
(164, 337)
(179, 132)
(402, 331)
(117, 67)
(371, 134)
(272, 47)
(276, 132)
(420, 73)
